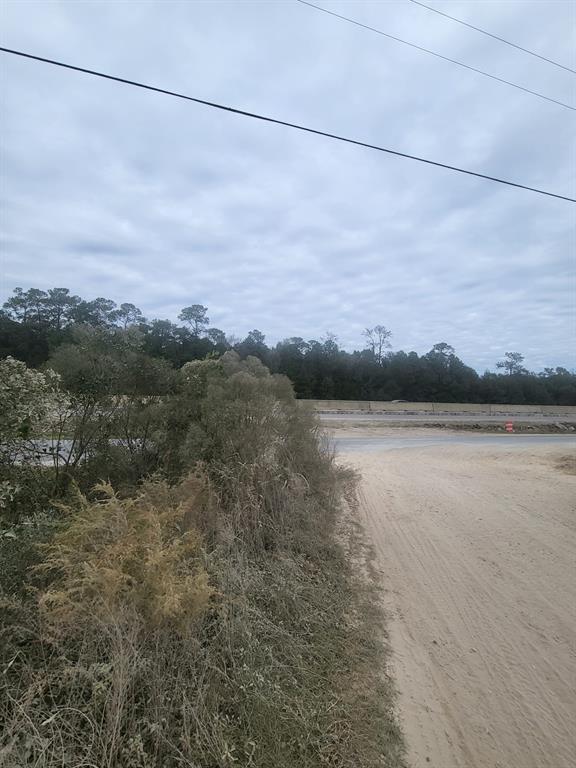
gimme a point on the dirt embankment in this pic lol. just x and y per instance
(478, 552)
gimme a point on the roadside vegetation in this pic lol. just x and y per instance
(183, 582)
(35, 323)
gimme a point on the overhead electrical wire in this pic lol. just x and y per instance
(495, 37)
(265, 118)
(437, 55)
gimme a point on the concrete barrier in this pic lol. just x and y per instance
(373, 406)
(519, 409)
(383, 407)
(568, 410)
(340, 405)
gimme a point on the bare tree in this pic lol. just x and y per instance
(377, 338)
(330, 343)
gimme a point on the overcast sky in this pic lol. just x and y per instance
(112, 191)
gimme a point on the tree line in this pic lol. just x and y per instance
(35, 324)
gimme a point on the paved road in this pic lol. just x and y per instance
(445, 418)
(393, 442)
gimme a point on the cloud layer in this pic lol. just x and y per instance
(117, 192)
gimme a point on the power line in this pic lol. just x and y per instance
(496, 37)
(274, 120)
(438, 55)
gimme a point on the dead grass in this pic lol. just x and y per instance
(120, 555)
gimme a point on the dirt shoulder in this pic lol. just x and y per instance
(477, 548)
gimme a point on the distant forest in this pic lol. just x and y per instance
(36, 325)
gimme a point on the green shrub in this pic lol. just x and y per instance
(224, 616)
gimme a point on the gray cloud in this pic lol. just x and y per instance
(112, 191)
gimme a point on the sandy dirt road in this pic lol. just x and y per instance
(477, 545)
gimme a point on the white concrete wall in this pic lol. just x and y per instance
(372, 406)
